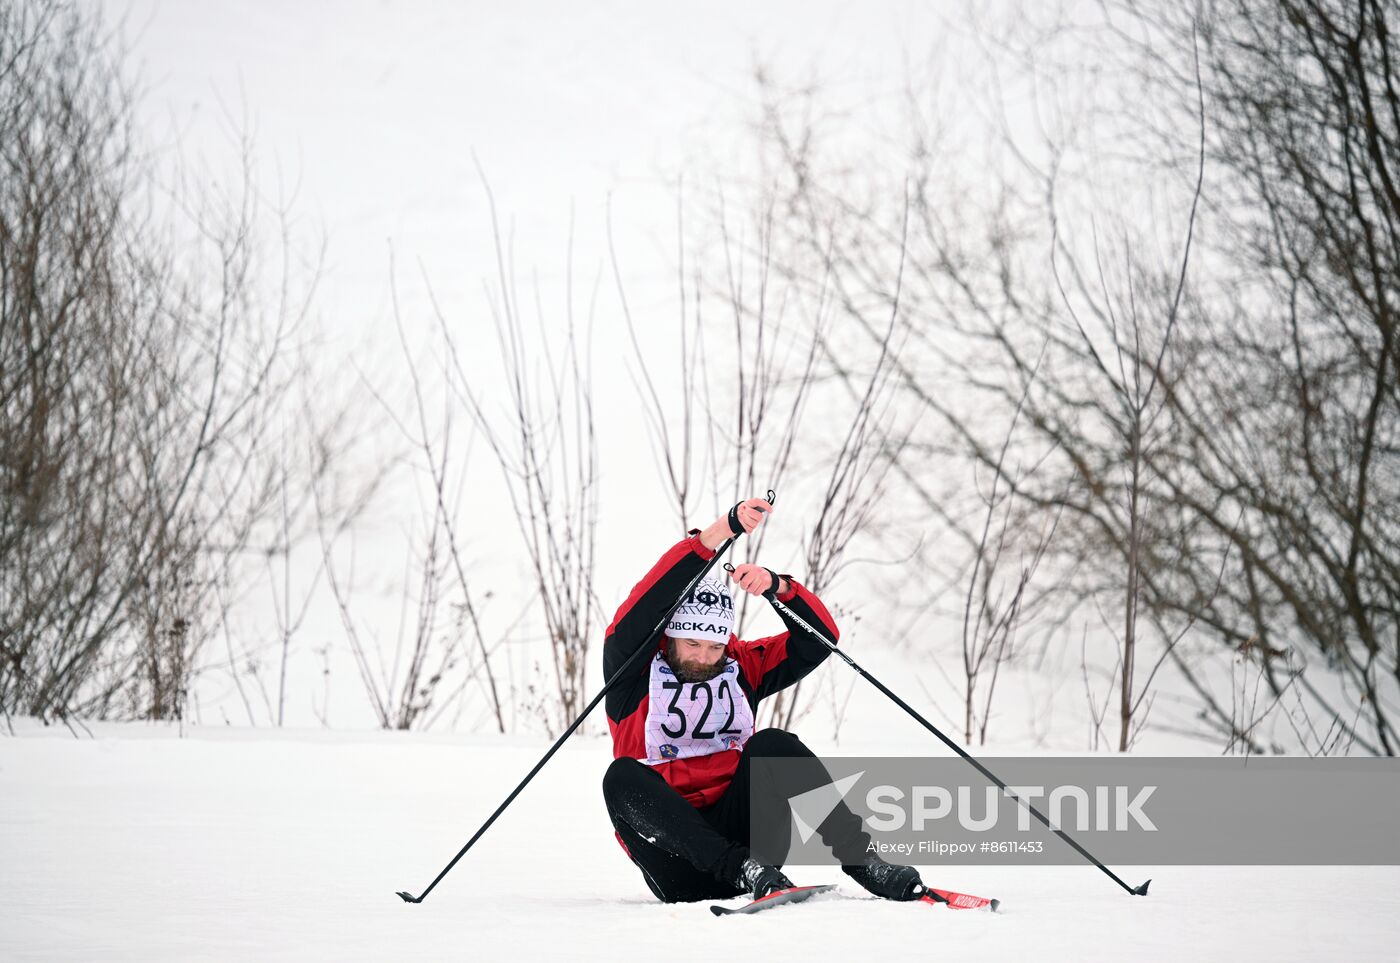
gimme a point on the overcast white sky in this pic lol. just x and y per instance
(378, 106)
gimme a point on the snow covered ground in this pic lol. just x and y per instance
(227, 843)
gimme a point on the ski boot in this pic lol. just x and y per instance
(887, 880)
(760, 879)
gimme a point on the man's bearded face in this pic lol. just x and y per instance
(694, 660)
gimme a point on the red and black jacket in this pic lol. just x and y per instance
(766, 665)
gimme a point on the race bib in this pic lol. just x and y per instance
(695, 718)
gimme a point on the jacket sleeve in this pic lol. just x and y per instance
(772, 664)
(651, 599)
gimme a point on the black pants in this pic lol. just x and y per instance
(687, 854)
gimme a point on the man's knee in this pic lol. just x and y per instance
(621, 773)
(776, 742)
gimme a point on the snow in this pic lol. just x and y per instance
(142, 842)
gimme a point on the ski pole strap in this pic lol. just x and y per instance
(772, 593)
(734, 524)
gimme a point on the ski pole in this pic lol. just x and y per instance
(646, 646)
(783, 610)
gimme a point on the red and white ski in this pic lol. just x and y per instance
(776, 898)
(944, 897)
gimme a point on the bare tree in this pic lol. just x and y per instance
(995, 606)
(546, 447)
(1279, 464)
(153, 338)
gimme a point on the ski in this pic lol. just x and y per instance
(931, 897)
(776, 898)
(944, 897)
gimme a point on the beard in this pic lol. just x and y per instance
(691, 671)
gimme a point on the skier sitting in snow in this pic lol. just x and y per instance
(683, 729)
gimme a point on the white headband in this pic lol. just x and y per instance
(708, 613)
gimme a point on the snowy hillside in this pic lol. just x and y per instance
(257, 844)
